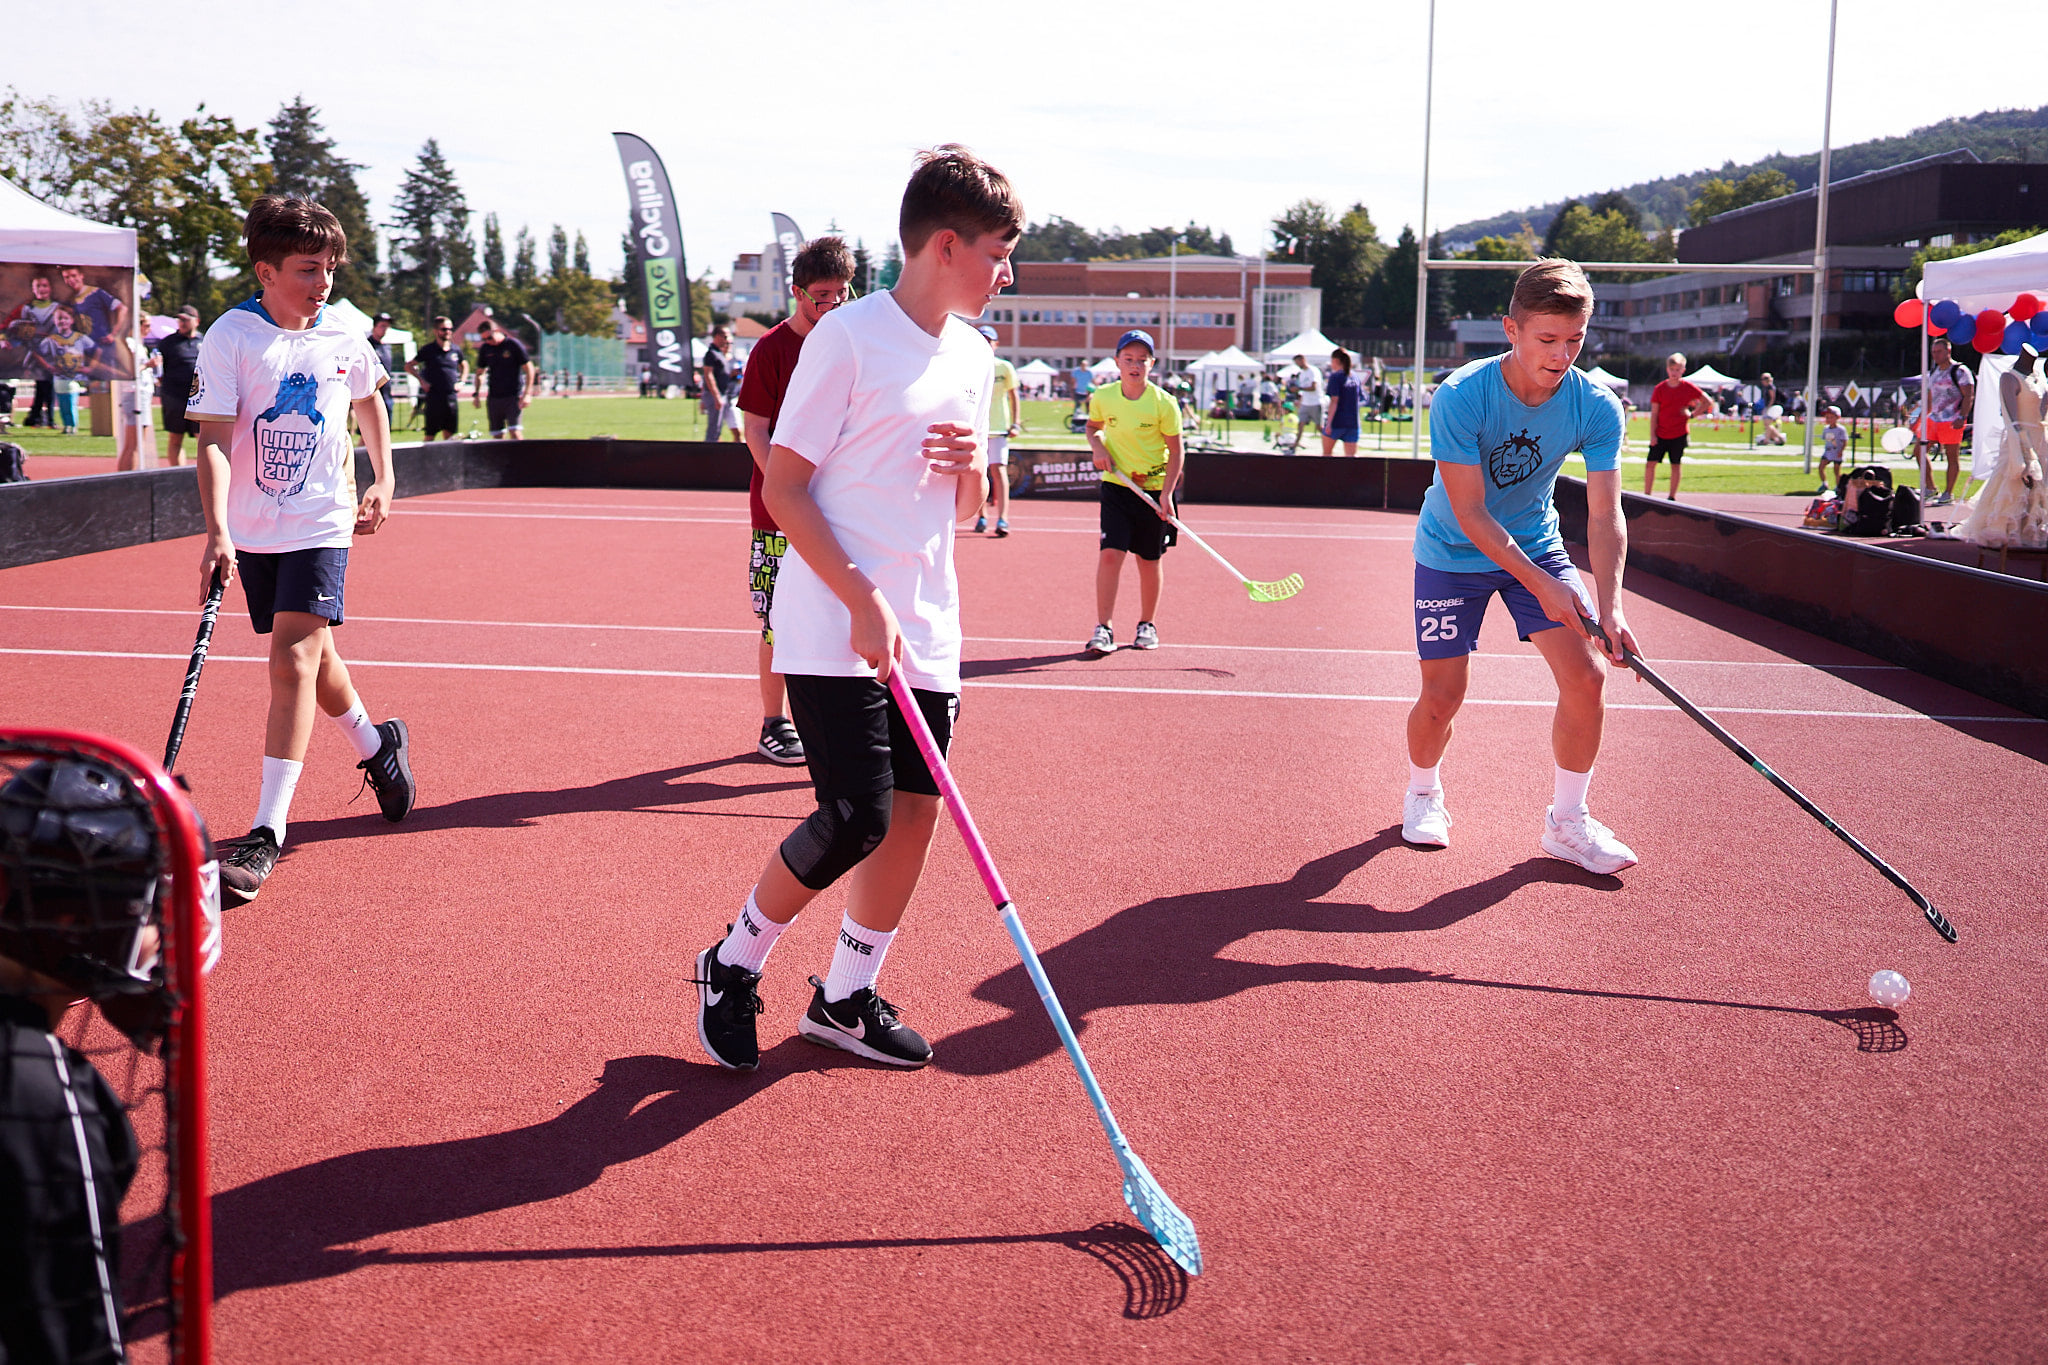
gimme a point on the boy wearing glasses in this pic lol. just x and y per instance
(441, 370)
(821, 278)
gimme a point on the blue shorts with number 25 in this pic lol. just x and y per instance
(1450, 606)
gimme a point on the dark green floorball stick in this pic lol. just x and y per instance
(1649, 675)
(1171, 1228)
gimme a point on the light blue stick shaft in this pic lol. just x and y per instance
(1015, 928)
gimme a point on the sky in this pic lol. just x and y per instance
(1221, 114)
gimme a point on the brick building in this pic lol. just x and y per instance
(1069, 313)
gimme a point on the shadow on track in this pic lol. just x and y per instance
(1875, 1029)
(654, 792)
(1170, 951)
(308, 1223)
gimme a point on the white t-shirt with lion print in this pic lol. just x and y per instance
(291, 479)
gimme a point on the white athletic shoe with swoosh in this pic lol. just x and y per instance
(864, 1024)
(1424, 820)
(1578, 838)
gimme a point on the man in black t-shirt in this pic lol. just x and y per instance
(721, 376)
(512, 372)
(440, 368)
(178, 358)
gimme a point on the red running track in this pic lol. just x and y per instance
(1469, 1104)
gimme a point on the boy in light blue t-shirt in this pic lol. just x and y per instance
(1500, 429)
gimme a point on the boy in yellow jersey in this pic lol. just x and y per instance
(1133, 428)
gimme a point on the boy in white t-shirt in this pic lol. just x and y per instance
(878, 454)
(272, 392)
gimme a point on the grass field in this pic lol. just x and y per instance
(1718, 462)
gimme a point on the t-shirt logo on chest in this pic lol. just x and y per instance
(1515, 459)
(287, 433)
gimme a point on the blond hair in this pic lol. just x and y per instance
(1676, 358)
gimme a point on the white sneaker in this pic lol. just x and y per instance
(1578, 838)
(1101, 642)
(1424, 819)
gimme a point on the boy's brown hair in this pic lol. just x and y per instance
(282, 225)
(823, 258)
(954, 189)
(1552, 286)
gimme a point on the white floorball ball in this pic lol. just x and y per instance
(1890, 989)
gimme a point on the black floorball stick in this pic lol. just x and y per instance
(1649, 675)
(207, 616)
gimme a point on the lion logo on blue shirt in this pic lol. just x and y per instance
(1515, 459)
(287, 433)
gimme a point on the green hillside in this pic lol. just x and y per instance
(2001, 135)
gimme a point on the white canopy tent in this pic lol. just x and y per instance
(1311, 345)
(1034, 380)
(1219, 371)
(37, 234)
(359, 322)
(1103, 369)
(1707, 377)
(1600, 376)
(1990, 279)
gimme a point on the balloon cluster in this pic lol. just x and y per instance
(2025, 323)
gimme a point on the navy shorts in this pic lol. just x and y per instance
(1129, 525)
(1674, 446)
(856, 741)
(1347, 433)
(1450, 606)
(298, 580)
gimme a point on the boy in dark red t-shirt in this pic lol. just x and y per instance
(821, 278)
(1673, 405)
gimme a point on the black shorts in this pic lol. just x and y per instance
(856, 741)
(1674, 446)
(1129, 525)
(503, 410)
(441, 415)
(175, 396)
(298, 580)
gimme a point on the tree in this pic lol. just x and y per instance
(1486, 293)
(1062, 239)
(37, 140)
(1579, 234)
(1343, 254)
(1614, 201)
(524, 272)
(494, 250)
(1718, 196)
(1910, 280)
(303, 162)
(863, 266)
(581, 260)
(892, 267)
(430, 229)
(558, 251)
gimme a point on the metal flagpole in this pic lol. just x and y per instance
(1820, 246)
(1422, 240)
(1172, 296)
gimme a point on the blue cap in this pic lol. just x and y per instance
(987, 331)
(1137, 334)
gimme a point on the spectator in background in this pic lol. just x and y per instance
(1342, 397)
(1766, 400)
(177, 357)
(137, 438)
(378, 327)
(100, 314)
(502, 359)
(440, 368)
(721, 386)
(1951, 397)
(1673, 404)
(1308, 389)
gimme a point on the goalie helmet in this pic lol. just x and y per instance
(82, 871)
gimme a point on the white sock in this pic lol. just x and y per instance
(857, 961)
(362, 733)
(280, 780)
(1423, 781)
(751, 937)
(1570, 793)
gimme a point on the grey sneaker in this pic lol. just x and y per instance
(1146, 636)
(1101, 642)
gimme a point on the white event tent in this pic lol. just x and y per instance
(1989, 279)
(1600, 376)
(1035, 379)
(1219, 371)
(1707, 377)
(1311, 345)
(37, 234)
(1103, 370)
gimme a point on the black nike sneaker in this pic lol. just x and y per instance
(864, 1024)
(246, 862)
(726, 1005)
(390, 772)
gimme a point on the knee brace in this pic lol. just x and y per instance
(838, 835)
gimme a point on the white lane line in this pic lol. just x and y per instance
(1404, 699)
(1033, 523)
(972, 639)
(1395, 537)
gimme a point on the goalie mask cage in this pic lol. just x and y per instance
(162, 1284)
